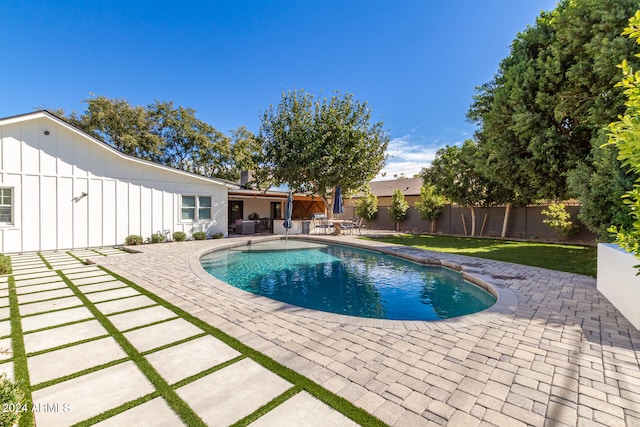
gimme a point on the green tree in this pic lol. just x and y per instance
(455, 174)
(398, 209)
(245, 152)
(559, 220)
(600, 186)
(169, 135)
(367, 205)
(625, 135)
(541, 114)
(189, 143)
(314, 145)
(430, 205)
(125, 127)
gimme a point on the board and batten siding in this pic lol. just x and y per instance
(72, 191)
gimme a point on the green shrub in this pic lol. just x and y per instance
(430, 205)
(157, 238)
(12, 399)
(179, 236)
(367, 205)
(625, 135)
(199, 235)
(133, 240)
(217, 236)
(5, 264)
(398, 209)
(559, 219)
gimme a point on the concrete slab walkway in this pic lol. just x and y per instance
(95, 350)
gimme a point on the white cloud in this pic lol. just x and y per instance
(408, 156)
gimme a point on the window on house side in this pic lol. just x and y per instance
(188, 208)
(196, 208)
(6, 205)
(204, 207)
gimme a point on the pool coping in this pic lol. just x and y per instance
(506, 304)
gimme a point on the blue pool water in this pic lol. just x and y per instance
(349, 281)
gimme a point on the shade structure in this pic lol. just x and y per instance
(338, 205)
(288, 212)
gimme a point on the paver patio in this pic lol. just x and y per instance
(562, 356)
(555, 352)
(92, 343)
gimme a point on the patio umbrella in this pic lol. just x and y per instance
(288, 211)
(338, 206)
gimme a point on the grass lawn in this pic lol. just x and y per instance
(570, 258)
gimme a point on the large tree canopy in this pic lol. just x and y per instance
(169, 135)
(456, 174)
(540, 117)
(314, 145)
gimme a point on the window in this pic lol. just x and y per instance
(188, 208)
(204, 207)
(195, 208)
(6, 205)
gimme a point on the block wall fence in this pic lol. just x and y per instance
(524, 223)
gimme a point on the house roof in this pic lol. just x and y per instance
(48, 115)
(408, 186)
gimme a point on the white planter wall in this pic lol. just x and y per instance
(50, 172)
(618, 282)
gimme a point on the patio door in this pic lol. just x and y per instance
(236, 210)
(275, 212)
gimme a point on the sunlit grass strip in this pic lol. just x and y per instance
(183, 382)
(277, 401)
(144, 399)
(67, 345)
(57, 325)
(336, 402)
(53, 310)
(157, 322)
(168, 393)
(102, 290)
(118, 410)
(20, 367)
(98, 252)
(80, 260)
(49, 383)
(44, 260)
(129, 310)
(28, 291)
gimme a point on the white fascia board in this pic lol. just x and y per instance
(105, 146)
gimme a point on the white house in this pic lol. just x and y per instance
(62, 189)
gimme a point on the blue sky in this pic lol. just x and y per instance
(416, 62)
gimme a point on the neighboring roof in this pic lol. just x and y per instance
(46, 114)
(408, 186)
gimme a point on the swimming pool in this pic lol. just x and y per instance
(346, 280)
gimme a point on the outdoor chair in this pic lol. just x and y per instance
(321, 224)
(236, 227)
(356, 225)
(346, 227)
